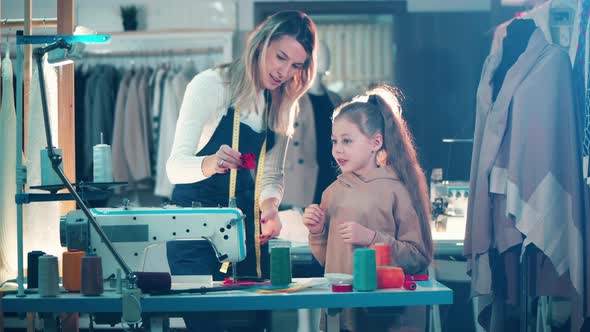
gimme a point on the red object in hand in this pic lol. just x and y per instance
(248, 160)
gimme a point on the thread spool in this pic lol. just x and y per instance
(131, 305)
(280, 266)
(102, 162)
(48, 175)
(382, 254)
(410, 285)
(33, 268)
(364, 270)
(153, 281)
(48, 276)
(72, 270)
(341, 288)
(390, 277)
(92, 283)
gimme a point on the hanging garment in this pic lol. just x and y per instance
(159, 80)
(8, 255)
(81, 79)
(581, 79)
(41, 219)
(120, 168)
(526, 152)
(98, 112)
(134, 140)
(168, 118)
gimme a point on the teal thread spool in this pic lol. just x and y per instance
(280, 266)
(364, 270)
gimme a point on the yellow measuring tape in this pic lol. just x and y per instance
(233, 175)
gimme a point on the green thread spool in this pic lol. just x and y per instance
(280, 266)
(364, 270)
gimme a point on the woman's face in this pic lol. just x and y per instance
(284, 58)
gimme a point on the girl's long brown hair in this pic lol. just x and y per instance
(381, 113)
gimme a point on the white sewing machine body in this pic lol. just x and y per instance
(133, 231)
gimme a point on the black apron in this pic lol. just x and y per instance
(197, 257)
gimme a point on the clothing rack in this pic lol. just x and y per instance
(35, 23)
(186, 51)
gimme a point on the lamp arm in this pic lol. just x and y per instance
(56, 159)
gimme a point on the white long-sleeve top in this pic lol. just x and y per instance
(205, 103)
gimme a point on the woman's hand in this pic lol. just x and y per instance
(269, 219)
(356, 234)
(314, 219)
(220, 162)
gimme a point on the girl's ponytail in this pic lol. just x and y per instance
(399, 153)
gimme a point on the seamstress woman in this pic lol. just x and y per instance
(263, 86)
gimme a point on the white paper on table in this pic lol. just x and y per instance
(293, 229)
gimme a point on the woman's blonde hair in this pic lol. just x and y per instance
(380, 112)
(242, 74)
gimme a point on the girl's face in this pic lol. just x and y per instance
(284, 58)
(352, 149)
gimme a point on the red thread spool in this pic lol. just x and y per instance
(382, 254)
(390, 277)
(409, 285)
(72, 270)
(341, 288)
(153, 281)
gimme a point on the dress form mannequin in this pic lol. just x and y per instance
(323, 66)
(309, 155)
(561, 21)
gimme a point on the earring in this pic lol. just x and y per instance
(381, 158)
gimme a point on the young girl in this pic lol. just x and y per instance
(380, 197)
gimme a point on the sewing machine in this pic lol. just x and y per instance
(132, 231)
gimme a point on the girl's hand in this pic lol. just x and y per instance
(269, 219)
(356, 234)
(314, 219)
(220, 162)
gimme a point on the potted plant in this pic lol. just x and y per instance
(129, 16)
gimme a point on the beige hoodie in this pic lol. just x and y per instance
(378, 201)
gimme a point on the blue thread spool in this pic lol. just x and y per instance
(280, 266)
(364, 270)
